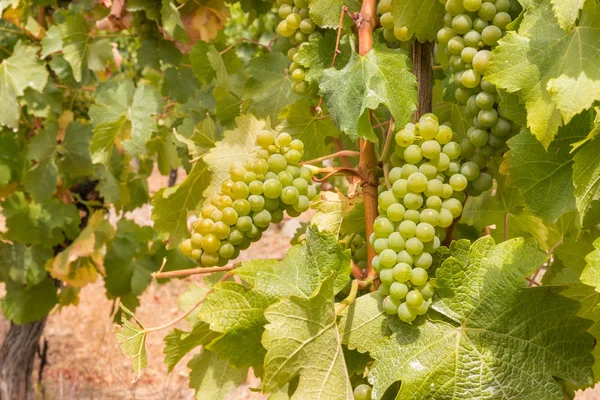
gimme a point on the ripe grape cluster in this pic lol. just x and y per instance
(256, 194)
(472, 29)
(299, 28)
(427, 189)
(391, 32)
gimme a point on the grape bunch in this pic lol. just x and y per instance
(472, 29)
(391, 32)
(255, 195)
(358, 249)
(296, 25)
(428, 183)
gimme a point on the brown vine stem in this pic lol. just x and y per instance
(341, 306)
(368, 161)
(193, 271)
(342, 153)
(331, 171)
(422, 56)
(188, 311)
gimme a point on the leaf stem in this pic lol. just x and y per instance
(193, 271)
(342, 153)
(341, 306)
(506, 215)
(388, 140)
(240, 40)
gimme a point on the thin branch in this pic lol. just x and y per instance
(381, 124)
(388, 141)
(188, 312)
(86, 88)
(506, 215)
(341, 306)
(240, 40)
(339, 35)
(331, 171)
(193, 271)
(438, 67)
(342, 153)
(386, 175)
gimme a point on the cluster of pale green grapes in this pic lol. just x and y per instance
(255, 195)
(391, 32)
(358, 249)
(428, 183)
(472, 29)
(296, 25)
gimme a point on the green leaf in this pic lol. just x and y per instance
(504, 207)
(23, 304)
(179, 83)
(268, 86)
(326, 13)
(423, 19)
(75, 47)
(41, 176)
(131, 336)
(495, 324)
(237, 145)
(382, 76)
(237, 312)
(212, 378)
(591, 273)
(557, 76)
(567, 12)
(75, 160)
(545, 178)
(302, 339)
(332, 208)
(170, 205)
(144, 108)
(300, 122)
(586, 176)
(203, 138)
(23, 265)
(178, 343)
(171, 21)
(52, 41)
(201, 65)
(364, 322)
(21, 70)
(302, 270)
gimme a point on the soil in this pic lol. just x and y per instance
(85, 362)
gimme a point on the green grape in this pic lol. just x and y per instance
(472, 39)
(501, 127)
(398, 290)
(255, 187)
(207, 210)
(285, 10)
(376, 263)
(307, 26)
(388, 258)
(300, 87)
(298, 75)
(388, 35)
(390, 305)
(454, 206)
(417, 182)
(428, 126)
(226, 250)
(265, 138)
(478, 137)
(404, 257)
(284, 30)
(362, 392)
(444, 135)
(186, 247)
(289, 195)
(470, 78)
(487, 11)
(456, 45)
(458, 182)
(413, 154)
(441, 162)
(210, 243)
(457, 64)
(225, 201)
(502, 5)
(235, 237)
(462, 23)
(406, 314)
(383, 290)
(395, 212)
(472, 5)
(490, 35)
(260, 167)
(479, 25)
(196, 240)
(196, 254)
(488, 118)
(272, 188)
(446, 191)
(423, 260)
(414, 298)
(242, 207)
(254, 233)
(386, 199)
(395, 241)
(405, 137)
(380, 245)
(209, 259)
(414, 246)
(496, 142)
(383, 227)
(395, 174)
(425, 232)
(408, 169)
(401, 33)
(257, 203)
(239, 191)
(461, 95)
(427, 291)
(422, 309)
(387, 20)
(384, 6)
(244, 223)
(262, 219)
(429, 170)
(485, 100)
(452, 150)
(293, 21)
(221, 230)
(277, 163)
(445, 34)
(291, 53)
(386, 276)
(454, 7)
(429, 215)
(413, 201)
(402, 272)
(400, 188)
(470, 170)
(483, 182)
(204, 226)
(481, 60)
(430, 149)
(412, 215)
(419, 277)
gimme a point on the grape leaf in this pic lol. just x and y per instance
(545, 178)
(586, 176)
(47, 224)
(332, 208)
(326, 13)
(178, 343)
(303, 268)
(41, 176)
(77, 265)
(201, 65)
(212, 378)
(500, 206)
(75, 160)
(302, 339)
(22, 264)
(179, 83)
(382, 76)
(170, 205)
(423, 19)
(203, 138)
(21, 70)
(171, 21)
(237, 145)
(131, 336)
(591, 273)
(567, 12)
(556, 77)
(23, 304)
(75, 46)
(52, 41)
(145, 106)
(299, 121)
(268, 86)
(467, 357)
(237, 312)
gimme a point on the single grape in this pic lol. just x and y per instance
(412, 215)
(462, 23)
(470, 78)
(262, 219)
(430, 149)
(491, 34)
(221, 230)
(407, 229)
(395, 241)
(472, 39)
(445, 34)
(501, 128)
(196, 254)
(277, 163)
(404, 257)
(427, 291)
(398, 290)
(419, 277)
(414, 246)
(483, 182)
(383, 290)
(362, 392)
(384, 6)
(428, 126)
(454, 206)
(244, 223)
(478, 137)
(417, 182)
(272, 188)
(386, 276)
(405, 137)
(413, 154)
(430, 216)
(428, 169)
(186, 246)
(414, 298)
(472, 5)
(425, 232)
(380, 245)
(444, 135)
(406, 314)
(458, 182)
(470, 170)
(481, 60)
(388, 258)
(456, 45)
(487, 11)
(408, 169)
(400, 188)
(257, 202)
(383, 227)
(386, 199)
(390, 305)
(395, 212)
(210, 243)
(454, 7)
(402, 272)
(423, 260)
(387, 20)
(209, 259)
(452, 150)
(479, 24)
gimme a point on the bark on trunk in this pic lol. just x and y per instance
(17, 357)
(422, 56)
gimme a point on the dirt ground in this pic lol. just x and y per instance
(85, 361)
